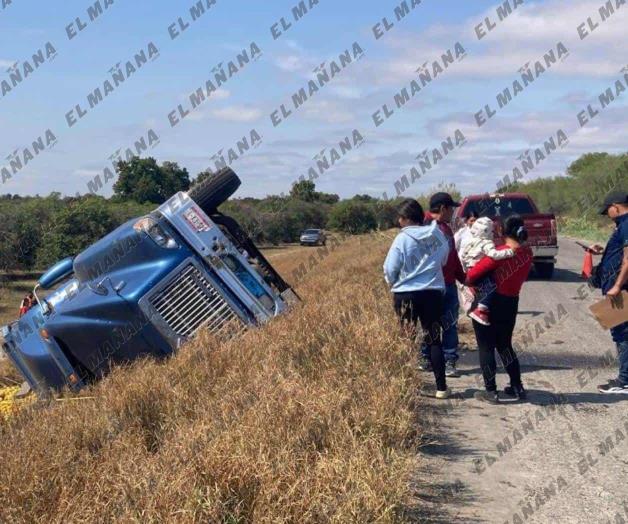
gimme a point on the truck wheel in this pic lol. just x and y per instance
(213, 191)
(544, 270)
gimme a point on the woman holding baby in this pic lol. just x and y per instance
(497, 274)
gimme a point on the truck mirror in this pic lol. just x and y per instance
(56, 273)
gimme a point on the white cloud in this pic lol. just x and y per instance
(328, 111)
(6, 63)
(237, 113)
(87, 173)
(346, 91)
(529, 32)
(289, 63)
(218, 94)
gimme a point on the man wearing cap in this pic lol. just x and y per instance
(611, 276)
(442, 209)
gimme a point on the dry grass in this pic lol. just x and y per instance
(9, 376)
(309, 419)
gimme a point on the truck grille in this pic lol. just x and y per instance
(190, 302)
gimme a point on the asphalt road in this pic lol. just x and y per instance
(562, 457)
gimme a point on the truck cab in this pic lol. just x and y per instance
(542, 230)
(145, 289)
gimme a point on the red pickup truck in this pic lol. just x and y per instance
(542, 233)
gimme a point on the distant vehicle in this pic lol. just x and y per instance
(542, 231)
(146, 288)
(313, 237)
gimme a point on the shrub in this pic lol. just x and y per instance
(352, 217)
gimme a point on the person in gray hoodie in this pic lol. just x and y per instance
(414, 270)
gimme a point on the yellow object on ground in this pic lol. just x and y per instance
(9, 404)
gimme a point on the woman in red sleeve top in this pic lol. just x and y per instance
(509, 275)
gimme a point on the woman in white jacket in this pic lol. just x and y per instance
(414, 270)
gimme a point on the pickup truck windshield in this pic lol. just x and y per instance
(501, 207)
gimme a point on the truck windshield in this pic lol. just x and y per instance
(311, 232)
(501, 207)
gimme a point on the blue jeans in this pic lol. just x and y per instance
(451, 308)
(620, 337)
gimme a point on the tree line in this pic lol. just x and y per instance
(578, 193)
(35, 232)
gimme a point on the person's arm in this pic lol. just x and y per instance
(458, 238)
(393, 264)
(483, 267)
(461, 276)
(497, 254)
(621, 278)
(442, 242)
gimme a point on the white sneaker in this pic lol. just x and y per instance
(443, 394)
(613, 387)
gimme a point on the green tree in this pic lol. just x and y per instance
(22, 222)
(203, 175)
(143, 180)
(75, 227)
(364, 198)
(385, 213)
(327, 198)
(303, 190)
(353, 217)
(8, 239)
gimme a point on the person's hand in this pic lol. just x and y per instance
(596, 249)
(617, 299)
(614, 292)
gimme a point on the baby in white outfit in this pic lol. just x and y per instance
(482, 244)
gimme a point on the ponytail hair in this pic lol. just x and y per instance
(410, 209)
(514, 228)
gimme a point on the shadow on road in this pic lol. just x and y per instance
(560, 275)
(567, 275)
(545, 398)
(432, 501)
(569, 359)
(536, 397)
(531, 313)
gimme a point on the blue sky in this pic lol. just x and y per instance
(245, 102)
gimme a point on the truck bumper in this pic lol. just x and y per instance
(544, 253)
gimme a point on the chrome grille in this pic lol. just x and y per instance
(190, 302)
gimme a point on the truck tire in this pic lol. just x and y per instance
(213, 191)
(544, 270)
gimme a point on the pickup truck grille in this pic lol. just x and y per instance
(190, 302)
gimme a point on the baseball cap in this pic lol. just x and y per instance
(614, 197)
(442, 199)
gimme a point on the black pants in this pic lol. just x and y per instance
(425, 307)
(498, 336)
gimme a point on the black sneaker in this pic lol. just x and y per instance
(614, 387)
(518, 392)
(487, 396)
(425, 364)
(450, 370)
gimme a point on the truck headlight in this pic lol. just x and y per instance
(150, 226)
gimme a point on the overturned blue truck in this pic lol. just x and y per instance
(144, 289)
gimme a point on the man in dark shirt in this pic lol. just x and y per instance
(611, 277)
(442, 209)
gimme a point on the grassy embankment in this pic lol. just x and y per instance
(585, 229)
(309, 419)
